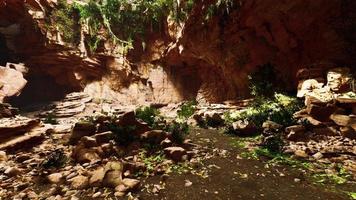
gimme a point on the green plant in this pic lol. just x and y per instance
(352, 195)
(64, 19)
(179, 131)
(51, 119)
(123, 135)
(55, 159)
(151, 161)
(186, 110)
(147, 114)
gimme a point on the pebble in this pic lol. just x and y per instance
(96, 195)
(188, 183)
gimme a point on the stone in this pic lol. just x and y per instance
(12, 82)
(129, 119)
(97, 177)
(320, 112)
(112, 178)
(307, 86)
(339, 79)
(12, 171)
(88, 141)
(130, 183)
(344, 120)
(80, 182)
(104, 137)
(3, 156)
(318, 155)
(327, 131)
(166, 143)
(96, 195)
(80, 130)
(84, 155)
(154, 136)
(55, 178)
(114, 165)
(244, 128)
(121, 188)
(301, 154)
(348, 132)
(119, 194)
(295, 128)
(213, 118)
(175, 153)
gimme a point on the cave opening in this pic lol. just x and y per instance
(5, 55)
(41, 90)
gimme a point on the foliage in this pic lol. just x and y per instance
(179, 131)
(273, 143)
(56, 159)
(187, 110)
(221, 7)
(123, 134)
(352, 195)
(147, 114)
(262, 83)
(50, 119)
(151, 161)
(64, 18)
(279, 109)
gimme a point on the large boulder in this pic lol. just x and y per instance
(339, 79)
(11, 83)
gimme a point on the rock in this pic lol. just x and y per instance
(112, 178)
(175, 153)
(12, 171)
(3, 156)
(213, 118)
(88, 141)
(320, 112)
(80, 130)
(339, 79)
(55, 178)
(96, 195)
(129, 119)
(244, 128)
(114, 165)
(130, 183)
(166, 143)
(327, 131)
(84, 155)
(104, 137)
(344, 120)
(270, 125)
(318, 156)
(11, 81)
(119, 194)
(154, 136)
(97, 177)
(121, 188)
(348, 132)
(188, 183)
(80, 182)
(307, 86)
(295, 128)
(301, 154)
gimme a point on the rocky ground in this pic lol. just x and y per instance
(73, 153)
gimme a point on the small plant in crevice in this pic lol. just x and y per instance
(51, 119)
(178, 130)
(147, 114)
(123, 135)
(55, 159)
(186, 110)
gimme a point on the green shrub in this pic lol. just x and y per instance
(123, 135)
(50, 119)
(148, 115)
(56, 159)
(179, 131)
(186, 110)
(279, 109)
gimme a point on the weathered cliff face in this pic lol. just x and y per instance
(208, 60)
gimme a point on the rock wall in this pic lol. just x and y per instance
(204, 59)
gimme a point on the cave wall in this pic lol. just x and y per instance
(207, 60)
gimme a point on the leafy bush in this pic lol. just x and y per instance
(148, 115)
(123, 135)
(179, 131)
(55, 160)
(50, 119)
(279, 109)
(64, 18)
(186, 110)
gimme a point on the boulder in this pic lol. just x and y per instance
(85, 155)
(175, 153)
(12, 171)
(11, 83)
(130, 183)
(154, 136)
(113, 178)
(97, 177)
(80, 130)
(128, 119)
(348, 132)
(270, 125)
(244, 128)
(320, 112)
(55, 178)
(344, 120)
(80, 182)
(327, 131)
(339, 79)
(3, 156)
(104, 137)
(307, 86)
(88, 141)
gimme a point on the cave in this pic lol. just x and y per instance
(4, 51)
